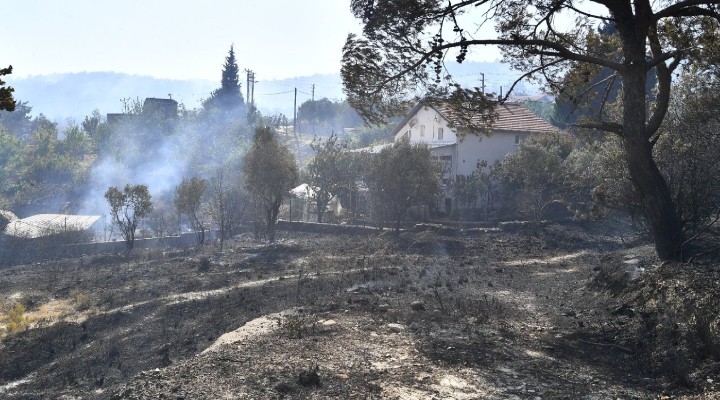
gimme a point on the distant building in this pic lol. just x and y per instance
(166, 108)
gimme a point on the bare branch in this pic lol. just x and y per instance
(561, 51)
(688, 8)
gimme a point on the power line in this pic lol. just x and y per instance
(274, 94)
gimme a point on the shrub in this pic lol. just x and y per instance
(17, 320)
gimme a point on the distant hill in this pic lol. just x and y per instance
(75, 95)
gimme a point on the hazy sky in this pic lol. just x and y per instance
(179, 39)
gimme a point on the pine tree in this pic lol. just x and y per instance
(228, 97)
(6, 99)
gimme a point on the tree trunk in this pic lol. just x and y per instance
(320, 208)
(655, 197)
(271, 218)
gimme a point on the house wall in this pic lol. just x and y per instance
(475, 148)
(432, 122)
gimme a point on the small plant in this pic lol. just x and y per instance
(17, 320)
(297, 326)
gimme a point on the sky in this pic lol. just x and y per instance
(175, 39)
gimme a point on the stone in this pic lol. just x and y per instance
(396, 328)
(417, 305)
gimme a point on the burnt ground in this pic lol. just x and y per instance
(560, 311)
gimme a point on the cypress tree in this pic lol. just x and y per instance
(228, 96)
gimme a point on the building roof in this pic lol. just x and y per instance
(510, 117)
(49, 224)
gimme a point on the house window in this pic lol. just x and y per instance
(440, 133)
(408, 134)
(422, 130)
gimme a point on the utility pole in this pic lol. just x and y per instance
(482, 80)
(297, 140)
(295, 114)
(247, 85)
(252, 91)
(313, 100)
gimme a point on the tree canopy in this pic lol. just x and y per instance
(6, 98)
(400, 176)
(270, 171)
(228, 96)
(329, 172)
(127, 208)
(188, 199)
(404, 45)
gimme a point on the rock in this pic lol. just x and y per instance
(417, 305)
(396, 328)
(384, 307)
(328, 323)
(331, 306)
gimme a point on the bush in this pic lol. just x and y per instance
(17, 320)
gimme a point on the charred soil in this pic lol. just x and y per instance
(556, 311)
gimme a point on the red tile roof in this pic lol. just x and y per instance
(510, 117)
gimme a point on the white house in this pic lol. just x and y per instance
(455, 145)
(440, 128)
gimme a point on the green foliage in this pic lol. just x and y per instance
(477, 190)
(188, 199)
(688, 150)
(365, 136)
(6, 98)
(127, 208)
(327, 111)
(77, 143)
(10, 158)
(533, 176)
(400, 176)
(269, 171)
(44, 160)
(18, 122)
(330, 172)
(597, 180)
(228, 97)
